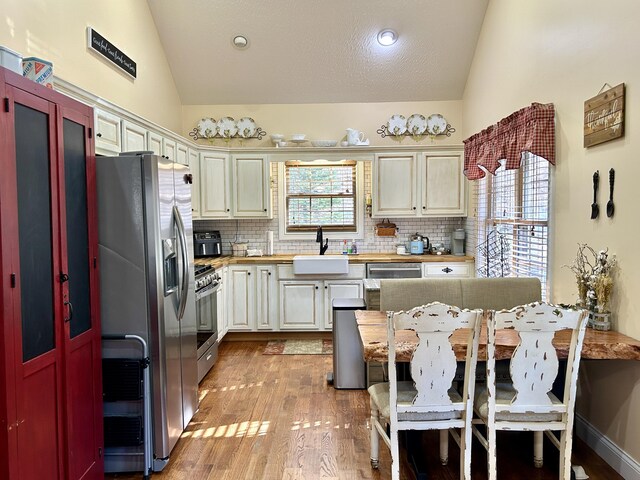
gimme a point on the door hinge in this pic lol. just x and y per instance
(90, 132)
(13, 280)
(6, 104)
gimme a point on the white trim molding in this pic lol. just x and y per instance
(611, 453)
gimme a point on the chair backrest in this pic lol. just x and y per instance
(433, 364)
(534, 363)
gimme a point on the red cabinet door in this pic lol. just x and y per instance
(50, 369)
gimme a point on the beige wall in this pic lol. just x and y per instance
(328, 121)
(563, 52)
(56, 31)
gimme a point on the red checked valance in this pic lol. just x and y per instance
(530, 129)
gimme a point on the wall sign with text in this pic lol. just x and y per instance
(108, 50)
(604, 116)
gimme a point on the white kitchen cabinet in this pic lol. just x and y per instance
(108, 132)
(194, 167)
(447, 270)
(154, 142)
(220, 311)
(169, 149)
(394, 185)
(428, 184)
(214, 185)
(182, 154)
(266, 297)
(223, 311)
(301, 305)
(251, 186)
(241, 306)
(134, 137)
(443, 184)
(339, 289)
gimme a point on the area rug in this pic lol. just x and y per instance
(315, 346)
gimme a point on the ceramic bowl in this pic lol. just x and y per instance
(324, 143)
(298, 136)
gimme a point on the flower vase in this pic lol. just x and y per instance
(600, 320)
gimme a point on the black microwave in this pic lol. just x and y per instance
(207, 244)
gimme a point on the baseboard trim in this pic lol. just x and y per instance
(619, 460)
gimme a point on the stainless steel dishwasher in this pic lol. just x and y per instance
(348, 355)
(394, 270)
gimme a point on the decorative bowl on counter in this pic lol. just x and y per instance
(324, 143)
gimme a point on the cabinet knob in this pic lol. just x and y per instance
(227, 209)
(269, 273)
(424, 208)
(98, 134)
(265, 209)
(414, 208)
(316, 287)
(447, 270)
(248, 273)
(325, 287)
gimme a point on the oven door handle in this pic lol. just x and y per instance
(205, 293)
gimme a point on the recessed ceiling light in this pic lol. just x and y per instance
(387, 37)
(240, 41)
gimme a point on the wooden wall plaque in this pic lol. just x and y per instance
(604, 116)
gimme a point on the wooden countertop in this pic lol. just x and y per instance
(219, 262)
(597, 345)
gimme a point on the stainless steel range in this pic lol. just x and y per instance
(207, 286)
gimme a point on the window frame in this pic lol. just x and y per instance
(492, 220)
(311, 235)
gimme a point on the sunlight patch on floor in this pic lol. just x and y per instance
(256, 428)
(302, 425)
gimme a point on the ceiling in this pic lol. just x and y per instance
(318, 51)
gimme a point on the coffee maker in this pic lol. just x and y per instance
(457, 242)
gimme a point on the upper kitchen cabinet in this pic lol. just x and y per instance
(134, 137)
(182, 154)
(169, 149)
(154, 142)
(251, 186)
(215, 198)
(194, 167)
(395, 185)
(108, 133)
(443, 184)
(427, 184)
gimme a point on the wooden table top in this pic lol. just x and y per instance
(597, 345)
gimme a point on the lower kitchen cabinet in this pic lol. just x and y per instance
(447, 270)
(339, 289)
(301, 305)
(252, 297)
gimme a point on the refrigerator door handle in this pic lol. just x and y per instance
(184, 287)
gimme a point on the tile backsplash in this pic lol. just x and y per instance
(253, 231)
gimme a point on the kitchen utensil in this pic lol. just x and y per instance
(354, 137)
(595, 209)
(417, 244)
(610, 206)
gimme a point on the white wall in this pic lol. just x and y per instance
(56, 31)
(563, 52)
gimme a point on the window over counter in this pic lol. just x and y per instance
(513, 222)
(320, 193)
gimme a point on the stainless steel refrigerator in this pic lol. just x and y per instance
(147, 289)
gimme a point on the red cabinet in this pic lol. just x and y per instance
(50, 365)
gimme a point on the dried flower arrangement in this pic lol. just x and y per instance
(593, 276)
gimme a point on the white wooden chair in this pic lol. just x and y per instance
(430, 402)
(527, 403)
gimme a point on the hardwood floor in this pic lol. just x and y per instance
(273, 417)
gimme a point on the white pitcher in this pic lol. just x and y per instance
(354, 137)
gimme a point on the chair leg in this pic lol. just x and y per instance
(538, 438)
(491, 453)
(375, 437)
(444, 447)
(466, 437)
(395, 455)
(566, 441)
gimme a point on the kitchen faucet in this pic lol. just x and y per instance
(323, 248)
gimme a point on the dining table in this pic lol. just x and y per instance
(597, 345)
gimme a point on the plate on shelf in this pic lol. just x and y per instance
(246, 127)
(207, 128)
(436, 124)
(227, 127)
(397, 125)
(417, 124)
(298, 140)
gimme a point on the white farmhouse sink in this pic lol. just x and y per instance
(320, 264)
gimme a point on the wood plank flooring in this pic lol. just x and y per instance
(273, 417)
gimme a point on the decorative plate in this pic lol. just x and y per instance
(436, 124)
(227, 127)
(207, 128)
(417, 124)
(397, 125)
(246, 127)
